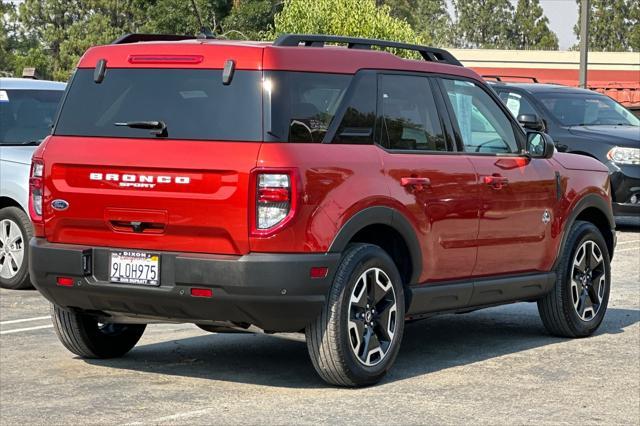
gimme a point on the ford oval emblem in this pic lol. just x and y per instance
(59, 205)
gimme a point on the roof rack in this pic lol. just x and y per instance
(430, 54)
(136, 38)
(500, 77)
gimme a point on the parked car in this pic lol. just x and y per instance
(298, 187)
(584, 122)
(27, 112)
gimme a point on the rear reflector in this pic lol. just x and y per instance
(202, 292)
(319, 272)
(65, 281)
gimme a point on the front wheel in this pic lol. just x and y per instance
(356, 338)
(84, 336)
(577, 304)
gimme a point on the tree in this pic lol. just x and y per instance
(531, 29)
(357, 18)
(250, 19)
(6, 48)
(429, 18)
(612, 25)
(484, 23)
(634, 38)
(179, 17)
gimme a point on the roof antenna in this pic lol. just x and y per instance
(205, 32)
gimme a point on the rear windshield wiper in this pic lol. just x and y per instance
(158, 128)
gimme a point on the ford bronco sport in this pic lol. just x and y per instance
(308, 186)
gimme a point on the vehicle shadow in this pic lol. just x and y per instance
(431, 345)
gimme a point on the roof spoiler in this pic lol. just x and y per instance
(138, 38)
(430, 54)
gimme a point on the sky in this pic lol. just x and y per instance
(562, 14)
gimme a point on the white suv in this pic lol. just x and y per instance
(27, 110)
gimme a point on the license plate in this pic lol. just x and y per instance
(134, 267)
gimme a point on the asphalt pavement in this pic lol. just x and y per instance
(495, 366)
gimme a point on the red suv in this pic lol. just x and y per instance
(302, 187)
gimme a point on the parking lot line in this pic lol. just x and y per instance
(24, 320)
(627, 242)
(18, 330)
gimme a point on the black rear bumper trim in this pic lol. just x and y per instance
(272, 291)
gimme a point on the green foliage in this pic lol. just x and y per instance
(531, 27)
(356, 18)
(613, 25)
(250, 19)
(484, 23)
(429, 18)
(178, 16)
(6, 54)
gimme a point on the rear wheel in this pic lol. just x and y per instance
(84, 336)
(577, 304)
(15, 233)
(356, 338)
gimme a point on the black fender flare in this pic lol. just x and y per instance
(588, 201)
(380, 215)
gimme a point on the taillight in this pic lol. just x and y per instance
(274, 200)
(36, 188)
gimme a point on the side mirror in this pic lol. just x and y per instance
(531, 121)
(540, 145)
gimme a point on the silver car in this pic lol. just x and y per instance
(27, 110)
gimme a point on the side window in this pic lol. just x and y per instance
(516, 103)
(299, 106)
(408, 116)
(359, 118)
(483, 125)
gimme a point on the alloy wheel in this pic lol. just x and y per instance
(588, 280)
(372, 316)
(12, 247)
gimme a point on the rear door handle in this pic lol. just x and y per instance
(417, 183)
(496, 181)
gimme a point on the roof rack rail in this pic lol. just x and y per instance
(500, 77)
(136, 38)
(430, 54)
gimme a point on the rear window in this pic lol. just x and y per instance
(193, 104)
(26, 116)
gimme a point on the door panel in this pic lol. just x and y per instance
(444, 210)
(513, 236)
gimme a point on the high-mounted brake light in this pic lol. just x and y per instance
(36, 188)
(274, 200)
(165, 59)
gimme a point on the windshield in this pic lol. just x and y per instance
(587, 110)
(26, 116)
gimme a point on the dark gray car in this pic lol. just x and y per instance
(584, 122)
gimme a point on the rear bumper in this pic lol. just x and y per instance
(271, 291)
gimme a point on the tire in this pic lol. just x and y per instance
(337, 340)
(84, 336)
(15, 233)
(565, 311)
